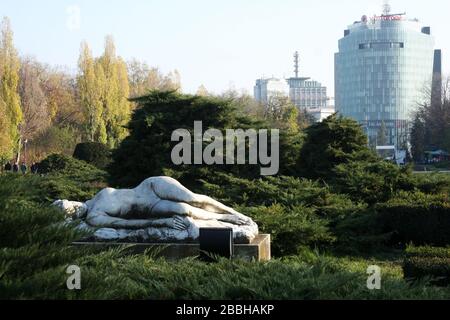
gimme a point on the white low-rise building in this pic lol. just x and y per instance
(267, 89)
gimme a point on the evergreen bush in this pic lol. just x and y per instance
(428, 262)
(416, 218)
(334, 141)
(97, 154)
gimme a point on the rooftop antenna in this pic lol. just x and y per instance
(386, 8)
(296, 56)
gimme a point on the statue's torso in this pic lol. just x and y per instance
(122, 202)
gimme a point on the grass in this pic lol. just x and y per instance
(112, 275)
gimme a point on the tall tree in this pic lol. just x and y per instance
(418, 136)
(5, 139)
(171, 82)
(36, 117)
(202, 91)
(143, 79)
(123, 115)
(382, 135)
(431, 125)
(90, 91)
(154, 80)
(9, 96)
(247, 104)
(138, 73)
(60, 89)
(116, 107)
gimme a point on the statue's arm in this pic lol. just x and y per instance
(102, 220)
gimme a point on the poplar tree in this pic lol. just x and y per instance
(10, 110)
(104, 91)
(5, 140)
(90, 85)
(116, 107)
(124, 111)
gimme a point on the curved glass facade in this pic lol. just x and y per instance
(382, 72)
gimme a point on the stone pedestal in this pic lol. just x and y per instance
(258, 250)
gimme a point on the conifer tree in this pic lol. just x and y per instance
(382, 133)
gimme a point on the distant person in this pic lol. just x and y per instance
(8, 167)
(23, 168)
(34, 168)
(16, 167)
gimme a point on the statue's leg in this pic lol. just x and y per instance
(165, 207)
(102, 220)
(170, 189)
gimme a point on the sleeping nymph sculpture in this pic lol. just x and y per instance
(160, 209)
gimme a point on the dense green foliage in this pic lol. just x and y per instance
(35, 252)
(11, 114)
(334, 141)
(371, 182)
(428, 262)
(296, 212)
(66, 178)
(291, 229)
(93, 153)
(147, 150)
(431, 126)
(416, 218)
(33, 239)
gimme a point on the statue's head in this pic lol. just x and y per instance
(73, 210)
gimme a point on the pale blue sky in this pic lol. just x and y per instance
(216, 43)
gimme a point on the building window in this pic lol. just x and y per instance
(364, 46)
(381, 45)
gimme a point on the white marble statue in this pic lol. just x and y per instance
(159, 209)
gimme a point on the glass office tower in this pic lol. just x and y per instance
(383, 70)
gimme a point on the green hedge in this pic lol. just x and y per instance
(416, 218)
(66, 178)
(372, 182)
(291, 229)
(438, 252)
(94, 153)
(428, 262)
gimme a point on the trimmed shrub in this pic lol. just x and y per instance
(69, 167)
(67, 178)
(267, 191)
(94, 153)
(291, 229)
(372, 182)
(435, 183)
(428, 262)
(416, 218)
(438, 252)
(360, 232)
